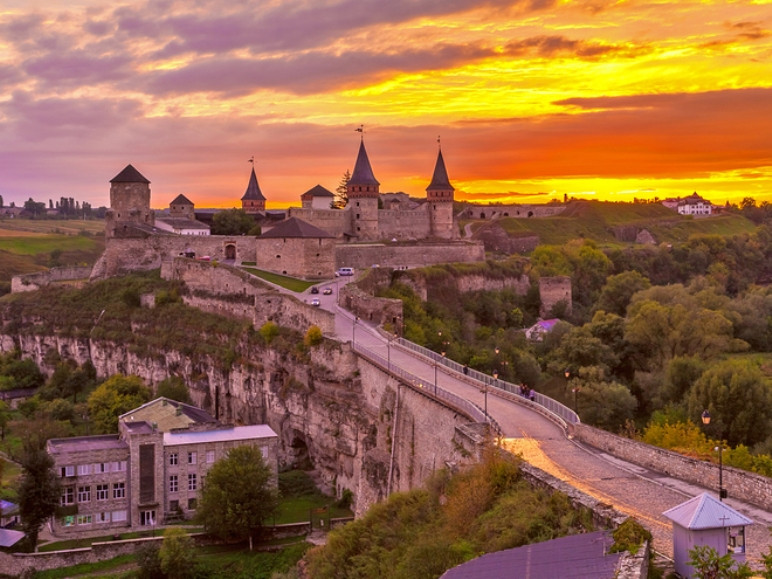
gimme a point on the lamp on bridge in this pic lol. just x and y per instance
(722, 492)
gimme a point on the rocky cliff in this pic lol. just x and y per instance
(353, 424)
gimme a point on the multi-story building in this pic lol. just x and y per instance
(149, 473)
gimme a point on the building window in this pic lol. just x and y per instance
(192, 482)
(173, 458)
(102, 492)
(174, 506)
(84, 469)
(191, 504)
(67, 471)
(118, 466)
(119, 516)
(100, 467)
(173, 484)
(210, 456)
(84, 494)
(119, 490)
(103, 517)
(191, 458)
(68, 496)
(84, 519)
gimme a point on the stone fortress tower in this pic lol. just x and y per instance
(253, 200)
(439, 195)
(363, 190)
(129, 204)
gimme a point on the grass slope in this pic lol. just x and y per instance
(596, 220)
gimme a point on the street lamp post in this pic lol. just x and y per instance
(353, 331)
(722, 492)
(495, 379)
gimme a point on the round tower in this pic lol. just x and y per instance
(439, 196)
(363, 191)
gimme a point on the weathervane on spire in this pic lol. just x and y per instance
(252, 160)
(439, 144)
(361, 129)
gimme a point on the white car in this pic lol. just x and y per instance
(345, 271)
(315, 302)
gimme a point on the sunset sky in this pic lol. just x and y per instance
(532, 99)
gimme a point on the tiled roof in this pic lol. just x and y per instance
(705, 512)
(294, 227)
(181, 200)
(253, 192)
(440, 181)
(363, 172)
(129, 175)
(181, 223)
(582, 556)
(317, 191)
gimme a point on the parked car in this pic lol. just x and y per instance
(327, 291)
(314, 290)
(315, 302)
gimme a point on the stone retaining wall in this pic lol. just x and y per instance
(35, 281)
(751, 487)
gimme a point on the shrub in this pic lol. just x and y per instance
(313, 336)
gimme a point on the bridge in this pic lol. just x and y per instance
(538, 432)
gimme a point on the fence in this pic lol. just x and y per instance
(559, 411)
(472, 410)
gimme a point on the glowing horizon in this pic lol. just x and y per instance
(533, 100)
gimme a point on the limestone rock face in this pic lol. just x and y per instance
(334, 412)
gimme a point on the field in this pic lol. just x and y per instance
(27, 246)
(597, 221)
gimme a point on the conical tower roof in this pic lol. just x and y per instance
(253, 192)
(129, 175)
(440, 181)
(363, 172)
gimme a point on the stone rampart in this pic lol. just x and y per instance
(35, 281)
(333, 221)
(400, 256)
(380, 311)
(553, 290)
(751, 487)
(223, 289)
(516, 211)
(400, 224)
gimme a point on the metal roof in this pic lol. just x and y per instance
(253, 192)
(582, 556)
(254, 431)
(84, 443)
(440, 181)
(706, 512)
(363, 172)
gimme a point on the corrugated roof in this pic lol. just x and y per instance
(363, 172)
(440, 181)
(181, 200)
(706, 512)
(129, 175)
(253, 192)
(318, 191)
(582, 556)
(254, 431)
(294, 227)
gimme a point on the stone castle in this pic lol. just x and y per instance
(314, 240)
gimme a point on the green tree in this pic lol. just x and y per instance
(739, 399)
(177, 554)
(619, 290)
(708, 565)
(341, 192)
(5, 417)
(232, 222)
(174, 388)
(116, 396)
(604, 404)
(38, 490)
(238, 495)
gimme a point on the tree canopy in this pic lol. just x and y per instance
(116, 396)
(238, 495)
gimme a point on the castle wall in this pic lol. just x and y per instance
(364, 217)
(516, 211)
(122, 256)
(34, 281)
(307, 258)
(226, 290)
(553, 290)
(404, 225)
(407, 256)
(333, 221)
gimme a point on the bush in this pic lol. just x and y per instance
(313, 336)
